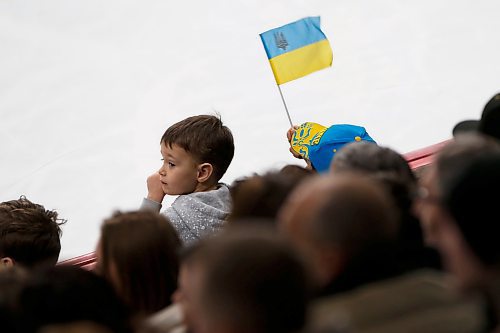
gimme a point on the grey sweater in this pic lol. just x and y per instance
(197, 214)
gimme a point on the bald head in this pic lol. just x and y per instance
(343, 213)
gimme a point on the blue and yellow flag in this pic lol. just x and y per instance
(297, 49)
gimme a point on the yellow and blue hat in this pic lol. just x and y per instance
(319, 144)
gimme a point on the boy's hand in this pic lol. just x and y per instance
(155, 192)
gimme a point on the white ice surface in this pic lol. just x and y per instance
(87, 87)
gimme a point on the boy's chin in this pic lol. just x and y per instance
(167, 191)
(171, 192)
(178, 191)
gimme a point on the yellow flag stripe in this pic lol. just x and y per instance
(300, 62)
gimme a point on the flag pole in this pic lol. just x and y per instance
(286, 108)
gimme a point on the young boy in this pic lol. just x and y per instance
(196, 153)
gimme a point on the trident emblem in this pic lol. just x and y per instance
(280, 40)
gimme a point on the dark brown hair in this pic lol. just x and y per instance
(297, 172)
(206, 138)
(458, 153)
(143, 248)
(252, 279)
(472, 205)
(66, 294)
(29, 234)
(392, 170)
(262, 196)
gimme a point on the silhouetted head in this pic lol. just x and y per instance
(29, 234)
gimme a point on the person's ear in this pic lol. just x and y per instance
(6, 262)
(205, 171)
(332, 261)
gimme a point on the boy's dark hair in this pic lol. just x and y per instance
(29, 234)
(206, 138)
(143, 246)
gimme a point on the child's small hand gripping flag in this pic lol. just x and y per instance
(297, 49)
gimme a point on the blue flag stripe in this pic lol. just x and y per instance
(292, 36)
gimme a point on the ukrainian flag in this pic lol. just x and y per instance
(297, 49)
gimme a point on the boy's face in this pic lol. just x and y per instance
(179, 172)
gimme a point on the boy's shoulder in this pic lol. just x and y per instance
(200, 213)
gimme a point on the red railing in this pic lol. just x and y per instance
(86, 261)
(422, 157)
(416, 159)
